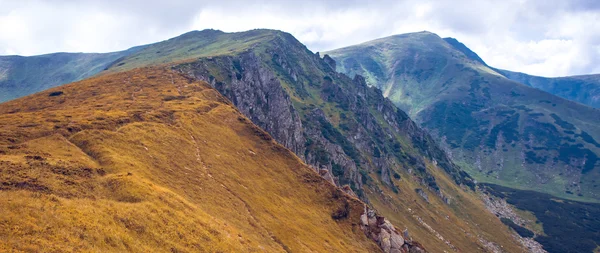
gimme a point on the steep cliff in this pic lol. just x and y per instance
(330, 120)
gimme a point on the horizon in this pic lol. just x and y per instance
(314, 51)
(519, 35)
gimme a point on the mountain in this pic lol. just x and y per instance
(583, 89)
(137, 162)
(21, 76)
(345, 130)
(342, 129)
(498, 130)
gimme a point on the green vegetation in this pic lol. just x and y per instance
(569, 226)
(193, 45)
(503, 132)
(520, 230)
(21, 76)
(583, 89)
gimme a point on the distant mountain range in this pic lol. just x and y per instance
(499, 130)
(583, 89)
(21, 76)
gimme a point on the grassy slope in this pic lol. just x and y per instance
(466, 214)
(469, 108)
(136, 161)
(192, 45)
(583, 89)
(21, 76)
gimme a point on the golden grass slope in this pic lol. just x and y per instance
(148, 161)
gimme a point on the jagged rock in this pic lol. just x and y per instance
(364, 219)
(423, 194)
(347, 189)
(327, 176)
(251, 82)
(387, 225)
(396, 240)
(384, 240)
(380, 230)
(372, 222)
(330, 61)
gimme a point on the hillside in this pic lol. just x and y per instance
(499, 130)
(583, 89)
(345, 130)
(21, 76)
(150, 161)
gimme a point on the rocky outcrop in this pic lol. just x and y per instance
(348, 190)
(380, 230)
(326, 175)
(329, 120)
(423, 194)
(329, 61)
(256, 92)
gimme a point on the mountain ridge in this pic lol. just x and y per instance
(436, 81)
(97, 174)
(340, 118)
(355, 138)
(24, 75)
(584, 89)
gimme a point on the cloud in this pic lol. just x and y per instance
(543, 37)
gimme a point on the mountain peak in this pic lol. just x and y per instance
(417, 35)
(464, 49)
(196, 33)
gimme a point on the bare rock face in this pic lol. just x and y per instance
(385, 234)
(257, 93)
(348, 190)
(326, 175)
(423, 194)
(263, 83)
(340, 126)
(330, 61)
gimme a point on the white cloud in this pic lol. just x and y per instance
(550, 38)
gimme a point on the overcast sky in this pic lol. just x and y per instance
(541, 37)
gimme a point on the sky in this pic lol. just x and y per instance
(539, 37)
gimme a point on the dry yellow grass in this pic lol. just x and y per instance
(148, 161)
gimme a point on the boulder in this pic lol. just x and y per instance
(396, 240)
(384, 241)
(387, 225)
